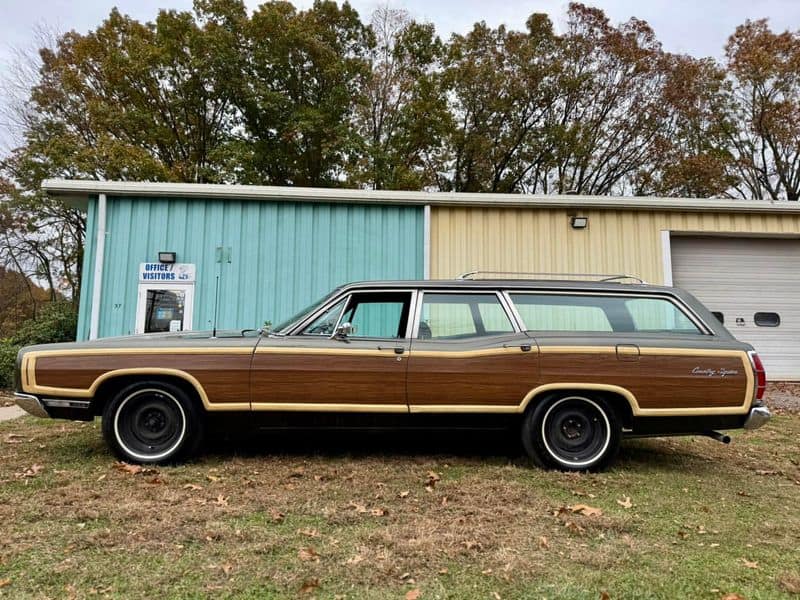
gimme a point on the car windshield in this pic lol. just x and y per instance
(280, 327)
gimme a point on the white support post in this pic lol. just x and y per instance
(426, 269)
(666, 256)
(99, 258)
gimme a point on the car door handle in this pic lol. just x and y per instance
(525, 347)
(399, 350)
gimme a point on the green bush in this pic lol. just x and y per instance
(8, 354)
(56, 322)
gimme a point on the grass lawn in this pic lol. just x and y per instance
(366, 516)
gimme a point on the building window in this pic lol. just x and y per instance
(767, 319)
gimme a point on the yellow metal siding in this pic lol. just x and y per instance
(541, 240)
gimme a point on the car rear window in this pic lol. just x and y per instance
(599, 313)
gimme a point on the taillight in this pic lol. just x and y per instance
(761, 374)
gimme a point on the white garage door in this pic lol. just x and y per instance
(755, 284)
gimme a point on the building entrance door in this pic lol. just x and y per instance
(166, 298)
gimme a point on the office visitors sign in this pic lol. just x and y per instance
(166, 273)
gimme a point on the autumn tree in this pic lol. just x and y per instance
(402, 117)
(609, 111)
(301, 74)
(764, 130)
(691, 155)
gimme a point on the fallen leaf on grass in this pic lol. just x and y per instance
(277, 515)
(625, 502)
(574, 527)
(604, 596)
(357, 559)
(31, 472)
(5, 583)
(585, 509)
(213, 478)
(157, 481)
(766, 472)
(732, 596)
(309, 586)
(359, 508)
(789, 583)
(413, 594)
(192, 487)
(750, 564)
(404, 494)
(379, 512)
(544, 544)
(308, 532)
(221, 500)
(128, 468)
(307, 554)
(470, 544)
(433, 478)
(227, 569)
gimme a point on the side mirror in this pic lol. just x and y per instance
(343, 330)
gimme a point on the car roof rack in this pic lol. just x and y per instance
(599, 277)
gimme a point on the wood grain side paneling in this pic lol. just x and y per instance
(494, 380)
(224, 377)
(373, 378)
(662, 381)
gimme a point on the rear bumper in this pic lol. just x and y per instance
(758, 416)
(31, 404)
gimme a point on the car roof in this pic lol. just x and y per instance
(567, 285)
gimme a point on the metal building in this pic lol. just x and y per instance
(250, 254)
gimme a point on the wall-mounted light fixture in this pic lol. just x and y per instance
(579, 222)
(167, 257)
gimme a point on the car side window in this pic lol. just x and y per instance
(378, 314)
(325, 323)
(458, 316)
(596, 313)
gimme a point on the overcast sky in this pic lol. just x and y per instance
(697, 27)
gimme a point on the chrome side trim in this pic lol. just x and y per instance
(64, 403)
(758, 416)
(31, 405)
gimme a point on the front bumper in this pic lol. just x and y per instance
(31, 404)
(758, 416)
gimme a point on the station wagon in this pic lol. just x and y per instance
(570, 366)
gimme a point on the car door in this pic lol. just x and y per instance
(316, 369)
(467, 354)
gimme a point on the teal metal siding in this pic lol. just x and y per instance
(283, 255)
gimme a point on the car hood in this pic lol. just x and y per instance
(152, 340)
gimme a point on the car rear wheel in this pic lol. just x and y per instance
(152, 422)
(571, 432)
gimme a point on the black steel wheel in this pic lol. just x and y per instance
(152, 422)
(572, 432)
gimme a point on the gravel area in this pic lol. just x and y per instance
(783, 396)
(6, 398)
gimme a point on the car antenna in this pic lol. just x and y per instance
(216, 305)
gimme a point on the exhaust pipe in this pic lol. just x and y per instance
(720, 437)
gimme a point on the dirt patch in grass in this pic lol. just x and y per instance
(783, 396)
(359, 516)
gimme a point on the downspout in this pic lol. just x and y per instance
(99, 259)
(426, 233)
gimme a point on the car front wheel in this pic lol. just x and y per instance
(152, 422)
(571, 432)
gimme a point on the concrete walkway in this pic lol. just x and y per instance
(10, 412)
